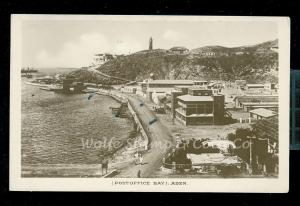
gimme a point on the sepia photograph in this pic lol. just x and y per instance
(149, 103)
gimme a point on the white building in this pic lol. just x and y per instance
(262, 113)
(100, 59)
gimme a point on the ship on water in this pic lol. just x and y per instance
(28, 70)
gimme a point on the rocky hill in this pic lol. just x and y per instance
(256, 63)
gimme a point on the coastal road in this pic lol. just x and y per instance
(160, 137)
(94, 70)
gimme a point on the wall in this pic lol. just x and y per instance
(119, 97)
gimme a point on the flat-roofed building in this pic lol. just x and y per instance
(199, 107)
(158, 88)
(199, 91)
(167, 83)
(250, 102)
(240, 83)
(201, 83)
(255, 86)
(179, 50)
(262, 113)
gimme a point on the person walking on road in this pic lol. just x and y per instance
(136, 157)
(141, 159)
(139, 174)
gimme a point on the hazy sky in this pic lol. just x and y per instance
(72, 43)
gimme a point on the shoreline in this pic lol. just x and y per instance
(114, 156)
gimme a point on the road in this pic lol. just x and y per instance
(159, 137)
(94, 70)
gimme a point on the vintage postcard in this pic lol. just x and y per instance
(149, 103)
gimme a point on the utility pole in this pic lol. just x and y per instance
(250, 153)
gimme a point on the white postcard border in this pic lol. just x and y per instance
(17, 183)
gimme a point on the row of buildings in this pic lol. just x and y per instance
(191, 102)
(242, 84)
(201, 102)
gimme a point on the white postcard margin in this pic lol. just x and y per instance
(261, 185)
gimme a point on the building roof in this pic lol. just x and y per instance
(263, 112)
(190, 98)
(201, 115)
(255, 85)
(182, 86)
(161, 90)
(260, 103)
(200, 81)
(257, 98)
(171, 81)
(240, 82)
(178, 48)
(196, 88)
(213, 159)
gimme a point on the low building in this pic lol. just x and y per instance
(269, 86)
(129, 89)
(262, 113)
(167, 83)
(255, 86)
(239, 53)
(216, 87)
(179, 50)
(250, 102)
(201, 83)
(100, 59)
(70, 86)
(213, 162)
(207, 53)
(90, 85)
(241, 83)
(156, 88)
(199, 107)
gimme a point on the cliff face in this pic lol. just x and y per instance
(257, 63)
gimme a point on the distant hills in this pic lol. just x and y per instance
(255, 63)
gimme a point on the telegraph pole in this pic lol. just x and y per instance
(250, 153)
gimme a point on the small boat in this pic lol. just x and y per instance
(26, 75)
(28, 70)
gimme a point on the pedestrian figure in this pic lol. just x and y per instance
(139, 174)
(141, 159)
(136, 155)
(136, 158)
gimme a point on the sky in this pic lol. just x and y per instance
(73, 43)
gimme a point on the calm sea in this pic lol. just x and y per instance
(55, 125)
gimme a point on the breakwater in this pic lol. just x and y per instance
(140, 126)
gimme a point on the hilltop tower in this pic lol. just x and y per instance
(150, 43)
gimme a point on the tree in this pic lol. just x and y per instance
(242, 143)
